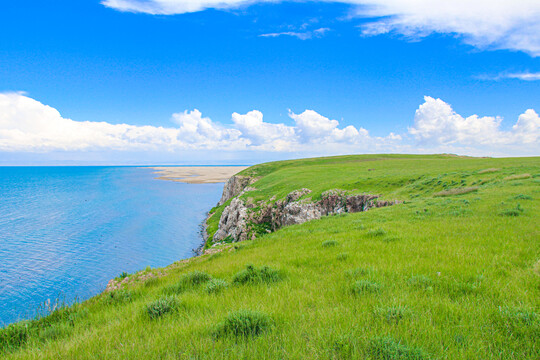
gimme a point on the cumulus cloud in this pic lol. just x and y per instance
(201, 132)
(30, 126)
(436, 123)
(262, 135)
(484, 24)
(26, 125)
(313, 127)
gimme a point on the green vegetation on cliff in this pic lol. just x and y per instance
(453, 272)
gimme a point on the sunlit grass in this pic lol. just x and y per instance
(431, 278)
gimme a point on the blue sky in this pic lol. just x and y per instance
(368, 65)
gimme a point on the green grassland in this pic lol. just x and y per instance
(453, 272)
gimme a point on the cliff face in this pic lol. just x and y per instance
(233, 187)
(240, 221)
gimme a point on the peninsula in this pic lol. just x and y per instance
(197, 174)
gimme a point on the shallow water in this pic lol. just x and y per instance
(66, 231)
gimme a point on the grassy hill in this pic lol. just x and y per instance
(453, 272)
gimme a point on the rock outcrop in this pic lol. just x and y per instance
(233, 187)
(240, 221)
(233, 221)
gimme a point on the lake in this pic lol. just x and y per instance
(66, 231)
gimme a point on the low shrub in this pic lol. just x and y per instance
(117, 297)
(187, 281)
(195, 278)
(393, 314)
(386, 348)
(358, 272)
(523, 197)
(376, 232)
(518, 210)
(329, 243)
(365, 286)
(343, 256)
(161, 307)
(420, 281)
(252, 274)
(244, 323)
(215, 286)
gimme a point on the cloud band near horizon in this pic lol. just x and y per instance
(26, 125)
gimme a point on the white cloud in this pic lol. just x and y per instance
(28, 126)
(201, 132)
(169, 7)
(525, 76)
(315, 128)
(262, 135)
(300, 35)
(436, 123)
(527, 128)
(486, 24)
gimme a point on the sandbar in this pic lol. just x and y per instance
(197, 174)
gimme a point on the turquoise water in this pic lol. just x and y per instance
(66, 231)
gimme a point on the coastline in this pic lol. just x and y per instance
(204, 234)
(199, 175)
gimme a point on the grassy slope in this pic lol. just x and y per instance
(457, 279)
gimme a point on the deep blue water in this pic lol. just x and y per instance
(66, 231)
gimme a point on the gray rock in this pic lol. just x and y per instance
(297, 213)
(236, 220)
(232, 222)
(233, 187)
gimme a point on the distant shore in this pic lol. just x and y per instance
(197, 174)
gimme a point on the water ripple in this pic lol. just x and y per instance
(65, 231)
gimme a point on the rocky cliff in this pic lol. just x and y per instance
(242, 220)
(233, 187)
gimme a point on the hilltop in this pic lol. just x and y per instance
(447, 267)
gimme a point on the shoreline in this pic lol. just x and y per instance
(199, 250)
(141, 275)
(197, 174)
